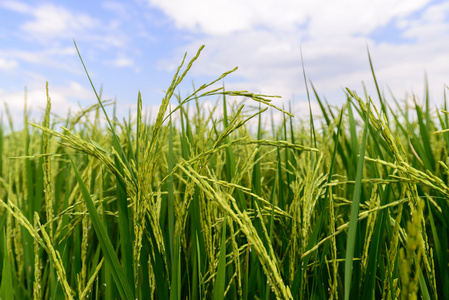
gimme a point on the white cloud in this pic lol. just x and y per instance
(123, 62)
(430, 26)
(49, 58)
(344, 18)
(56, 21)
(50, 21)
(322, 17)
(264, 39)
(50, 28)
(50, 24)
(16, 6)
(63, 99)
(7, 64)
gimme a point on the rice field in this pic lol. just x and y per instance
(353, 204)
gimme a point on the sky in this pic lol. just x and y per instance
(136, 45)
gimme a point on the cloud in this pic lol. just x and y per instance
(321, 17)
(55, 21)
(119, 8)
(265, 40)
(7, 64)
(431, 25)
(49, 28)
(16, 6)
(123, 62)
(50, 24)
(51, 21)
(47, 58)
(63, 98)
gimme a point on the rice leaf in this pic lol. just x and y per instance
(6, 286)
(175, 286)
(105, 243)
(219, 286)
(352, 231)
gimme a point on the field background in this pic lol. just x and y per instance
(350, 204)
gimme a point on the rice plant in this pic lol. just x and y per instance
(353, 204)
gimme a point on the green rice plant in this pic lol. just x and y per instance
(199, 205)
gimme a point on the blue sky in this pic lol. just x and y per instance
(136, 45)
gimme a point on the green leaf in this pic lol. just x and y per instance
(175, 286)
(219, 287)
(6, 288)
(352, 231)
(105, 243)
(171, 205)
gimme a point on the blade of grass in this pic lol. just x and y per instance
(381, 99)
(116, 140)
(423, 287)
(352, 231)
(220, 276)
(230, 159)
(298, 284)
(157, 262)
(104, 241)
(202, 291)
(424, 130)
(175, 286)
(377, 241)
(271, 219)
(441, 253)
(124, 226)
(144, 265)
(171, 205)
(312, 126)
(6, 286)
